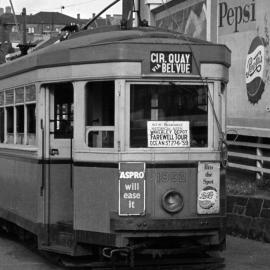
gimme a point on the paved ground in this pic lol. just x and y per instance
(245, 254)
(15, 256)
(241, 254)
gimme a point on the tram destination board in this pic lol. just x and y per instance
(171, 62)
(131, 188)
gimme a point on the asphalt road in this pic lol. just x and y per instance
(245, 254)
(241, 254)
(16, 256)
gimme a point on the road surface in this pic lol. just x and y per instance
(241, 254)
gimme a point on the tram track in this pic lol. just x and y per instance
(199, 263)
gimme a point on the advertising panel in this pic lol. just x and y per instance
(187, 17)
(168, 134)
(131, 188)
(208, 188)
(244, 26)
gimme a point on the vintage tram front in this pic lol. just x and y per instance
(147, 166)
(127, 153)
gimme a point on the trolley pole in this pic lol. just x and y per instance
(127, 16)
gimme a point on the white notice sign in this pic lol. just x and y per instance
(168, 134)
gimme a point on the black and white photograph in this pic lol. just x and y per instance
(135, 134)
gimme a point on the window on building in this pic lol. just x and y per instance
(100, 114)
(153, 102)
(31, 30)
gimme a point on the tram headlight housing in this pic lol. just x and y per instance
(172, 201)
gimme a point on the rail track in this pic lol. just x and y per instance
(184, 263)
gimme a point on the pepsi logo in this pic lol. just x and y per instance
(208, 197)
(254, 72)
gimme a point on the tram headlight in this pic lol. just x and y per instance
(172, 201)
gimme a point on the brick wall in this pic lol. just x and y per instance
(248, 217)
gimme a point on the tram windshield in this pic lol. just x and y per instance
(170, 102)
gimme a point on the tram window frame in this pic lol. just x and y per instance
(14, 126)
(2, 125)
(100, 109)
(63, 110)
(154, 110)
(20, 120)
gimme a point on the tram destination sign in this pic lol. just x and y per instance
(131, 189)
(171, 62)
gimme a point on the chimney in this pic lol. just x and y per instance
(8, 10)
(1, 11)
(78, 16)
(108, 19)
(93, 15)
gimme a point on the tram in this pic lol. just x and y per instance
(111, 142)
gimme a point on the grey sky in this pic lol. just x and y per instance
(71, 7)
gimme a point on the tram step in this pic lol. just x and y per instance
(57, 249)
(61, 240)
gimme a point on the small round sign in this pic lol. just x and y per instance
(254, 72)
(207, 197)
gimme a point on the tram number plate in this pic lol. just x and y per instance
(131, 188)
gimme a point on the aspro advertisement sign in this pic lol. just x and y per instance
(171, 62)
(208, 188)
(131, 189)
(236, 16)
(168, 134)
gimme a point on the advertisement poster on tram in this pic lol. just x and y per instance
(168, 134)
(131, 188)
(208, 188)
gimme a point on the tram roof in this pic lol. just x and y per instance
(115, 45)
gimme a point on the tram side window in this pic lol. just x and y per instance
(63, 109)
(18, 107)
(2, 117)
(31, 123)
(2, 125)
(20, 124)
(10, 124)
(168, 103)
(100, 114)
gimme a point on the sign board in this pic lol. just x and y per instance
(168, 134)
(255, 69)
(131, 188)
(236, 16)
(171, 62)
(208, 188)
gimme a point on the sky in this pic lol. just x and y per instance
(71, 7)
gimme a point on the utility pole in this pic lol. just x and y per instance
(24, 46)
